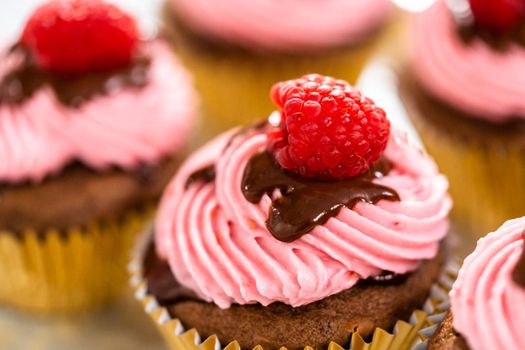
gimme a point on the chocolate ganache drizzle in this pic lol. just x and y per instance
(205, 175)
(23, 81)
(518, 275)
(386, 278)
(306, 202)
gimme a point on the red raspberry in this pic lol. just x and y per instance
(77, 36)
(328, 130)
(498, 15)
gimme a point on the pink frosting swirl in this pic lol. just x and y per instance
(124, 128)
(486, 303)
(472, 77)
(217, 244)
(285, 25)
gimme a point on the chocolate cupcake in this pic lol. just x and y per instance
(488, 298)
(90, 132)
(465, 93)
(240, 49)
(318, 226)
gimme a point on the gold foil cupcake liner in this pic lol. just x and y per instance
(485, 176)
(404, 335)
(437, 308)
(76, 269)
(484, 162)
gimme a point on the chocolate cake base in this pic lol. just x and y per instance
(78, 196)
(360, 309)
(446, 337)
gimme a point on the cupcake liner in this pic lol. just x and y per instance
(437, 305)
(484, 162)
(76, 269)
(486, 178)
(403, 336)
(234, 85)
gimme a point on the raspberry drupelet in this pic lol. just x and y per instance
(328, 129)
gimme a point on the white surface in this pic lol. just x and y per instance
(414, 5)
(379, 82)
(123, 326)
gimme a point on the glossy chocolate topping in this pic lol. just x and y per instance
(468, 30)
(518, 275)
(387, 277)
(205, 175)
(23, 81)
(305, 202)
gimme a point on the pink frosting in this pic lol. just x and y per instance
(284, 25)
(486, 303)
(217, 243)
(124, 128)
(472, 77)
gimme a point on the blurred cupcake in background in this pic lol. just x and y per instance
(488, 299)
(240, 48)
(318, 226)
(465, 90)
(91, 129)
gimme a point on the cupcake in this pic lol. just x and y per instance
(90, 132)
(317, 226)
(488, 299)
(466, 94)
(237, 48)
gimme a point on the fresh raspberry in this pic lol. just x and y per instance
(328, 129)
(497, 15)
(77, 36)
